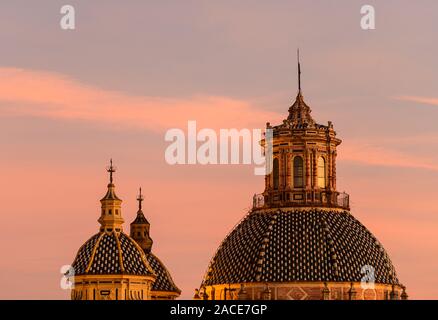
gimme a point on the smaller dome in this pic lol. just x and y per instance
(111, 253)
(164, 281)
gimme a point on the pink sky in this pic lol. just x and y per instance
(70, 101)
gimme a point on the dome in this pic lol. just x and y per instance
(321, 245)
(111, 253)
(164, 281)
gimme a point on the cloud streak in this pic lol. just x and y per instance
(51, 95)
(44, 94)
(376, 155)
(417, 99)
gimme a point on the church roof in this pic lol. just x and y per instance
(164, 281)
(140, 218)
(110, 194)
(299, 245)
(111, 253)
(140, 233)
(299, 113)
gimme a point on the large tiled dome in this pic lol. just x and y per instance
(111, 253)
(321, 245)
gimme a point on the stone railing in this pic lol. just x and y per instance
(258, 201)
(302, 199)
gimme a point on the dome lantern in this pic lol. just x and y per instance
(111, 206)
(304, 161)
(299, 238)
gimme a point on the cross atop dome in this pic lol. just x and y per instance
(140, 199)
(111, 169)
(110, 194)
(140, 227)
(140, 219)
(111, 213)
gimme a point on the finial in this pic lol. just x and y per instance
(404, 295)
(196, 296)
(205, 294)
(299, 70)
(140, 199)
(111, 169)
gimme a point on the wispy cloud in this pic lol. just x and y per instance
(417, 99)
(378, 155)
(51, 95)
(44, 94)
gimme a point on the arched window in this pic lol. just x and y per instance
(321, 173)
(298, 172)
(275, 174)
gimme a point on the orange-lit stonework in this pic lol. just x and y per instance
(300, 241)
(163, 287)
(112, 265)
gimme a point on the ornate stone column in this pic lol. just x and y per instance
(315, 169)
(334, 169)
(286, 156)
(308, 175)
(329, 170)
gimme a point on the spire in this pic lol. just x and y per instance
(111, 169)
(140, 199)
(299, 112)
(299, 71)
(140, 219)
(140, 227)
(110, 194)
